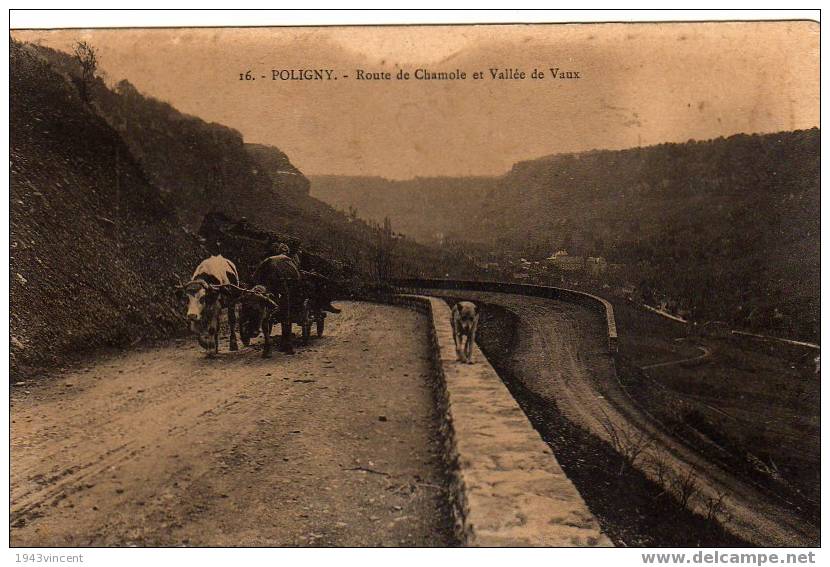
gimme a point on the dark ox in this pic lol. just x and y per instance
(319, 290)
(277, 277)
(206, 298)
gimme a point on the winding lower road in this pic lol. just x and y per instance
(704, 354)
(561, 355)
(336, 445)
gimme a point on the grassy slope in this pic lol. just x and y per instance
(757, 401)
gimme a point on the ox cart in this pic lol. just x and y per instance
(308, 297)
(310, 310)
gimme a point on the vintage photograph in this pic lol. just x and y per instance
(497, 285)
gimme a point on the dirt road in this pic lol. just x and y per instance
(561, 355)
(336, 445)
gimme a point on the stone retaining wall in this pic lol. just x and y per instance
(573, 296)
(507, 488)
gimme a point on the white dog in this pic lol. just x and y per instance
(464, 324)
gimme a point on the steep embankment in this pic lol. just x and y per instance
(425, 208)
(94, 248)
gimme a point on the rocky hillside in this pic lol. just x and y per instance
(94, 248)
(284, 176)
(199, 166)
(428, 209)
(205, 167)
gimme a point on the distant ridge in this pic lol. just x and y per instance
(425, 208)
(729, 228)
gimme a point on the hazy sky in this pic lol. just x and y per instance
(639, 84)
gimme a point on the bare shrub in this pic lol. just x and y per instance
(715, 508)
(661, 469)
(685, 488)
(629, 443)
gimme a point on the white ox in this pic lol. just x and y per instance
(208, 292)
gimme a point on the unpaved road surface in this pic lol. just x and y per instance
(336, 445)
(561, 355)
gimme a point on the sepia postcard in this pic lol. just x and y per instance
(496, 285)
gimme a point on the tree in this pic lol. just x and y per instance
(383, 251)
(87, 57)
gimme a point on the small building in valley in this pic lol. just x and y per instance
(561, 260)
